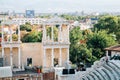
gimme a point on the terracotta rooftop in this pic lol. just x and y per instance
(114, 48)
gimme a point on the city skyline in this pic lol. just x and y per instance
(60, 5)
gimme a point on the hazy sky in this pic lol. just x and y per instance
(60, 5)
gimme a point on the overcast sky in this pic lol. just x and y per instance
(61, 5)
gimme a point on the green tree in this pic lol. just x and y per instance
(15, 37)
(33, 36)
(85, 55)
(75, 35)
(39, 36)
(26, 27)
(111, 24)
(117, 32)
(98, 41)
(79, 51)
(87, 46)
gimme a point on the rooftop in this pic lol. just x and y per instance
(114, 48)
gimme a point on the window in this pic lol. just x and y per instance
(55, 61)
(29, 61)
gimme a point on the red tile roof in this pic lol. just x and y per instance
(114, 48)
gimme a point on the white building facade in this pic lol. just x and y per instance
(30, 20)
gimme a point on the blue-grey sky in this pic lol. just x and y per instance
(61, 5)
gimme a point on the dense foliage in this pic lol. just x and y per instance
(71, 17)
(26, 27)
(87, 46)
(15, 37)
(111, 24)
(98, 41)
(78, 49)
(33, 36)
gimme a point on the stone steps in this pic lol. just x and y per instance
(106, 71)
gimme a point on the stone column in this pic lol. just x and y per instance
(60, 58)
(68, 54)
(11, 57)
(44, 57)
(106, 53)
(19, 58)
(10, 34)
(44, 33)
(61, 32)
(52, 58)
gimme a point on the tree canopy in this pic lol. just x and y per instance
(111, 24)
(15, 37)
(98, 41)
(88, 46)
(33, 36)
(78, 49)
(26, 26)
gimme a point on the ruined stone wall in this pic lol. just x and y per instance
(34, 51)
